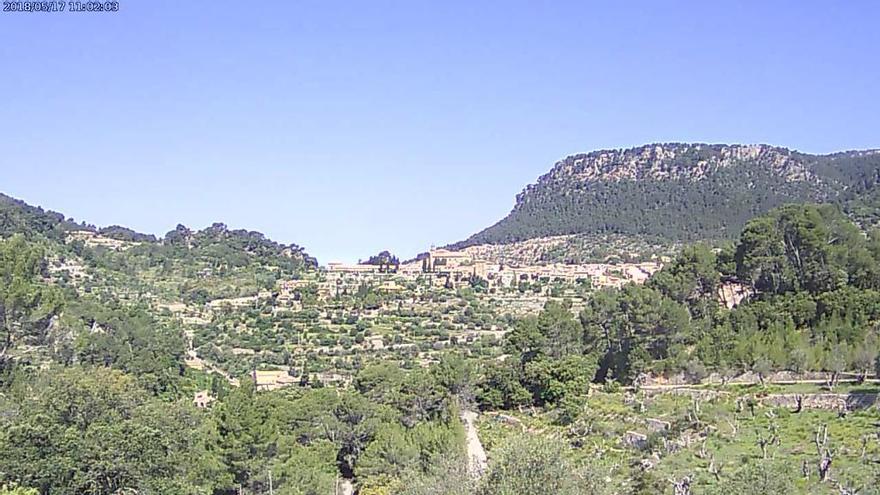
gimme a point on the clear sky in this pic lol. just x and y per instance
(352, 127)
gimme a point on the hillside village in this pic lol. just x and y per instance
(453, 268)
(413, 311)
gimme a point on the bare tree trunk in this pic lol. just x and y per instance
(734, 426)
(682, 487)
(821, 438)
(824, 468)
(763, 442)
(826, 455)
(702, 454)
(715, 469)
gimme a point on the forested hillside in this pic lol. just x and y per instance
(18, 217)
(72, 293)
(814, 307)
(681, 192)
(136, 365)
(814, 285)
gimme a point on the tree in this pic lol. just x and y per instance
(390, 452)
(95, 431)
(421, 398)
(26, 304)
(691, 278)
(760, 258)
(696, 371)
(352, 425)
(757, 479)
(762, 367)
(304, 469)
(536, 465)
(455, 374)
(631, 328)
(386, 262)
(551, 380)
(247, 433)
(836, 364)
(865, 355)
(380, 382)
(804, 247)
(501, 387)
(562, 334)
(448, 476)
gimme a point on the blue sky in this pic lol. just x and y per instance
(351, 127)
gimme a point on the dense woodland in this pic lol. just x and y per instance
(815, 306)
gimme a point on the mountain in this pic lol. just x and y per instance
(682, 192)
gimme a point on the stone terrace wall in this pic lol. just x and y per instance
(747, 378)
(830, 402)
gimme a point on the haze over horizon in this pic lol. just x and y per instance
(353, 131)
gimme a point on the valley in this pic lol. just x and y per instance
(597, 361)
(439, 248)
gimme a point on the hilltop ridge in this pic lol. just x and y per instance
(17, 216)
(678, 191)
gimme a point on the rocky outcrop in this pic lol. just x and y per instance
(657, 425)
(674, 161)
(731, 294)
(635, 440)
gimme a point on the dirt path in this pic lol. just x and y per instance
(199, 363)
(476, 454)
